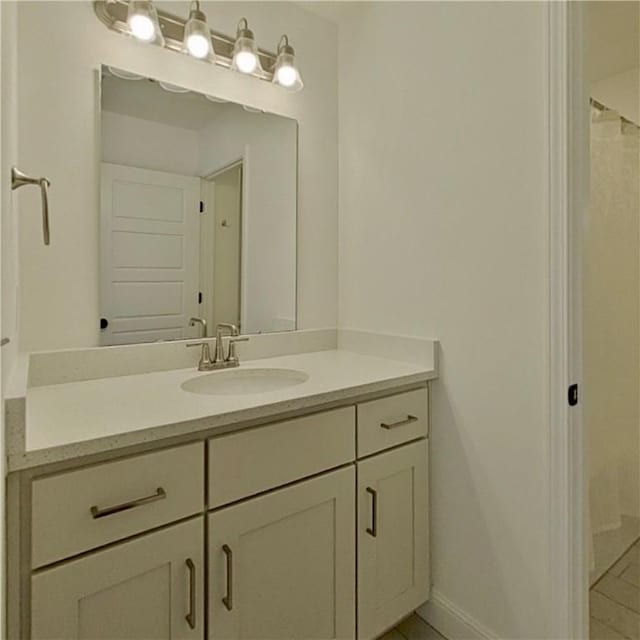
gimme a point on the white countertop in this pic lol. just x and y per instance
(65, 421)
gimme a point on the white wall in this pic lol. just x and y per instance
(8, 244)
(59, 137)
(443, 234)
(612, 43)
(268, 145)
(621, 92)
(8, 150)
(149, 145)
(613, 54)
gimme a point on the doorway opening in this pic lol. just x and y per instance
(221, 246)
(611, 318)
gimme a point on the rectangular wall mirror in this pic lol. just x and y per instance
(198, 213)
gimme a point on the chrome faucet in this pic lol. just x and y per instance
(205, 355)
(221, 327)
(231, 360)
(220, 361)
(201, 321)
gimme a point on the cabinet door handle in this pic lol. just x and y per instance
(191, 616)
(96, 512)
(373, 529)
(399, 423)
(228, 599)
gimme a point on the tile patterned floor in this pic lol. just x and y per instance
(609, 545)
(413, 628)
(614, 603)
(615, 600)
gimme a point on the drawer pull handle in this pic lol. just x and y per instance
(399, 423)
(125, 506)
(373, 529)
(228, 599)
(191, 616)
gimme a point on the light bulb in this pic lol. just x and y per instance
(197, 37)
(246, 61)
(285, 72)
(245, 53)
(142, 27)
(198, 45)
(142, 19)
(286, 76)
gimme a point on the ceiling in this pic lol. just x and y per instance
(613, 29)
(147, 100)
(331, 10)
(613, 37)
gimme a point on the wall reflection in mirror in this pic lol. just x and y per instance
(198, 213)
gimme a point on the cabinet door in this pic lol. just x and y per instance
(151, 587)
(393, 539)
(282, 565)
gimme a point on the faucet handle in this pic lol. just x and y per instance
(233, 355)
(205, 355)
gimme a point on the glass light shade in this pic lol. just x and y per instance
(142, 19)
(172, 88)
(124, 75)
(197, 38)
(285, 72)
(245, 52)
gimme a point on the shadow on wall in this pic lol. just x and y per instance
(466, 500)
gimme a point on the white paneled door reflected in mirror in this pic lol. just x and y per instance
(198, 213)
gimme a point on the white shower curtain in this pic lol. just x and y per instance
(612, 323)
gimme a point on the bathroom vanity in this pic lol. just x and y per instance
(295, 513)
(284, 498)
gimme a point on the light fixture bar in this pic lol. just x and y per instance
(113, 13)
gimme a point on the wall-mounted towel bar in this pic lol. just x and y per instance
(20, 179)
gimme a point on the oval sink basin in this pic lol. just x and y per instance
(244, 381)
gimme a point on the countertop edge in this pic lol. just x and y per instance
(23, 460)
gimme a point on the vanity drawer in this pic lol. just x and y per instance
(390, 421)
(79, 510)
(252, 461)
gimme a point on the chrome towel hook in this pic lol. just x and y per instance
(20, 179)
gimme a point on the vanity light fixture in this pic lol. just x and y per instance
(215, 99)
(245, 52)
(124, 75)
(197, 37)
(173, 88)
(142, 19)
(285, 72)
(192, 36)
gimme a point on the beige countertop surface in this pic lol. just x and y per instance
(76, 419)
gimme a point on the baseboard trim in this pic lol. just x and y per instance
(451, 621)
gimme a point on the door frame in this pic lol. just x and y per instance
(568, 182)
(243, 163)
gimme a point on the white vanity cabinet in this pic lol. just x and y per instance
(309, 527)
(79, 510)
(282, 565)
(393, 537)
(150, 587)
